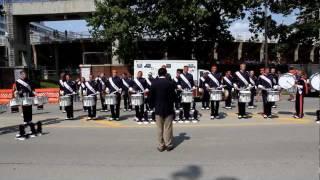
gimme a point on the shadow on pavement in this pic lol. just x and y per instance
(285, 112)
(177, 140)
(311, 113)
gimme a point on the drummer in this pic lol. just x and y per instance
(186, 82)
(214, 82)
(25, 89)
(253, 81)
(265, 83)
(114, 86)
(149, 80)
(242, 83)
(301, 92)
(139, 85)
(204, 90)
(69, 89)
(227, 82)
(126, 81)
(275, 80)
(176, 82)
(102, 81)
(92, 89)
(83, 91)
(61, 81)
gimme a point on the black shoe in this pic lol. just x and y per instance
(170, 148)
(161, 149)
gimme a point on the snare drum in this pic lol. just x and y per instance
(315, 81)
(15, 102)
(27, 101)
(244, 96)
(136, 99)
(65, 101)
(273, 96)
(111, 99)
(39, 100)
(216, 95)
(3, 108)
(292, 90)
(89, 101)
(186, 97)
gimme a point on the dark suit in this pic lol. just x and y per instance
(92, 111)
(215, 85)
(162, 98)
(186, 106)
(139, 109)
(239, 83)
(266, 85)
(72, 85)
(125, 90)
(102, 81)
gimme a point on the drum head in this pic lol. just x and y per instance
(287, 81)
(315, 81)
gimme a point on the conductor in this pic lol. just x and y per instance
(162, 98)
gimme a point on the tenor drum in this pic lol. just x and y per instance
(136, 99)
(287, 81)
(315, 81)
(27, 101)
(186, 97)
(273, 96)
(216, 95)
(111, 99)
(15, 102)
(89, 101)
(65, 101)
(244, 96)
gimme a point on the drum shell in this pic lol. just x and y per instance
(15, 102)
(315, 81)
(244, 96)
(27, 101)
(273, 96)
(186, 97)
(111, 99)
(3, 108)
(216, 95)
(39, 100)
(89, 101)
(65, 101)
(136, 100)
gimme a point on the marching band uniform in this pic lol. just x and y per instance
(139, 85)
(214, 82)
(115, 86)
(102, 81)
(177, 104)
(92, 89)
(302, 90)
(61, 88)
(25, 89)
(265, 82)
(149, 81)
(227, 82)
(275, 82)
(14, 109)
(206, 96)
(253, 81)
(83, 92)
(185, 82)
(126, 99)
(69, 88)
(241, 82)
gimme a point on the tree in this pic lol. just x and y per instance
(185, 21)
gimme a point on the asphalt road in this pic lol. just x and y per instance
(227, 149)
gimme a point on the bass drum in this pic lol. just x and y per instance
(315, 81)
(287, 81)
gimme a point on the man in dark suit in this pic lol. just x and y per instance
(162, 98)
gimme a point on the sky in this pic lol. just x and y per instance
(239, 28)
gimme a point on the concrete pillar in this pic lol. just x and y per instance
(56, 60)
(215, 52)
(35, 56)
(19, 48)
(312, 53)
(240, 50)
(115, 57)
(262, 52)
(296, 53)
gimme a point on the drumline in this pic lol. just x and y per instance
(286, 81)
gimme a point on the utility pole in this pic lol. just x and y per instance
(265, 33)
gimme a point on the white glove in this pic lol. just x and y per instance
(107, 90)
(194, 88)
(200, 90)
(179, 87)
(146, 90)
(206, 85)
(61, 93)
(261, 87)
